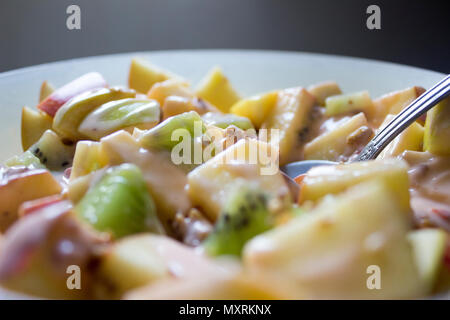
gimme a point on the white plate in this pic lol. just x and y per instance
(250, 71)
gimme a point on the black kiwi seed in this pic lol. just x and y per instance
(44, 161)
(36, 152)
(65, 163)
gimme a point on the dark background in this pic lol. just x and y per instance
(414, 32)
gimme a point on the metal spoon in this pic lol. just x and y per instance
(408, 115)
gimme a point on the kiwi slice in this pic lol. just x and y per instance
(120, 114)
(26, 159)
(53, 152)
(120, 203)
(245, 216)
(160, 137)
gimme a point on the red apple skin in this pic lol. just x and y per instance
(89, 81)
(32, 206)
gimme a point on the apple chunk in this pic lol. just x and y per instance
(290, 116)
(19, 185)
(143, 75)
(341, 142)
(331, 252)
(429, 250)
(210, 185)
(39, 252)
(324, 180)
(33, 124)
(437, 129)
(82, 84)
(216, 89)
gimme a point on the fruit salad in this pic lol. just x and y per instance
(163, 190)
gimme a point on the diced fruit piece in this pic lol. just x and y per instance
(410, 139)
(429, 248)
(139, 257)
(216, 88)
(19, 185)
(160, 91)
(349, 103)
(89, 157)
(70, 115)
(46, 90)
(33, 206)
(26, 159)
(245, 215)
(120, 147)
(143, 75)
(256, 108)
(248, 161)
(119, 203)
(393, 103)
(323, 90)
(53, 152)
(160, 137)
(87, 82)
(34, 123)
(220, 285)
(120, 114)
(225, 120)
(42, 251)
(323, 180)
(437, 129)
(78, 186)
(340, 142)
(290, 116)
(342, 248)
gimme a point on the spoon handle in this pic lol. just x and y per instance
(408, 115)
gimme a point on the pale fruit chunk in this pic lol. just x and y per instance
(33, 124)
(143, 75)
(89, 157)
(223, 121)
(393, 103)
(248, 161)
(138, 256)
(175, 105)
(160, 91)
(323, 180)
(26, 159)
(324, 90)
(46, 90)
(437, 129)
(220, 285)
(59, 97)
(334, 251)
(341, 141)
(120, 114)
(410, 139)
(216, 89)
(121, 147)
(43, 249)
(69, 117)
(429, 249)
(19, 185)
(290, 116)
(349, 103)
(256, 108)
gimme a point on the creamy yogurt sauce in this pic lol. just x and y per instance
(430, 188)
